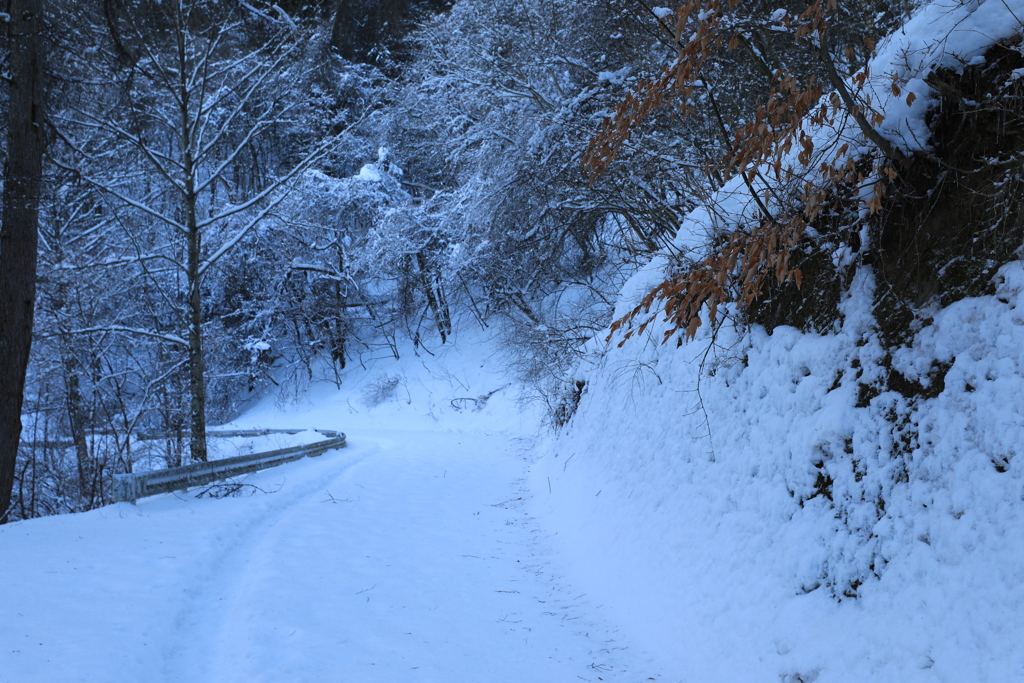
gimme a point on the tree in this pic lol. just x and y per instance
(766, 142)
(19, 232)
(498, 103)
(367, 30)
(204, 149)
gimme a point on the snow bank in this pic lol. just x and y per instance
(944, 34)
(763, 508)
(459, 385)
(731, 518)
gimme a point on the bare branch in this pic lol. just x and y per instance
(172, 338)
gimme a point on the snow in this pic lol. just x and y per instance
(942, 34)
(733, 509)
(647, 540)
(748, 513)
(662, 12)
(617, 77)
(656, 537)
(410, 555)
(695, 515)
(368, 173)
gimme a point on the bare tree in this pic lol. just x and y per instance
(206, 100)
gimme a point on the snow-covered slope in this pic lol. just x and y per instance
(460, 385)
(731, 526)
(776, 507)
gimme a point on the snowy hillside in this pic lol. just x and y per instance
(769, 527)
(815, 505)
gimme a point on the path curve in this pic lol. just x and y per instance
(406, 557)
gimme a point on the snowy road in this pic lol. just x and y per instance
(409, 556)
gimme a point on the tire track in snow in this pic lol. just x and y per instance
(425, 567)
(216, 582)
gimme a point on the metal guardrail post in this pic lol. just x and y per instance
(125, 488)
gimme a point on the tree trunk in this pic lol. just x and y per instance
(338, 328)
(77, 421)
(19, 232)
(197, 382)
(436, 298)
(196, 366)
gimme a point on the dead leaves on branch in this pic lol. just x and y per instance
(712, 28)
(736, 271)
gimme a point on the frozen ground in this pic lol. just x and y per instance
(410, 555)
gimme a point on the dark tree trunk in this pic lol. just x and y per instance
(196, 368)
(19, 232)
(436, 298)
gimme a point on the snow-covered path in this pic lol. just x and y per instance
(408, 556)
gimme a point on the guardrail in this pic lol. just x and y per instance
(153, 435)
(47, 443)
(131, 487)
